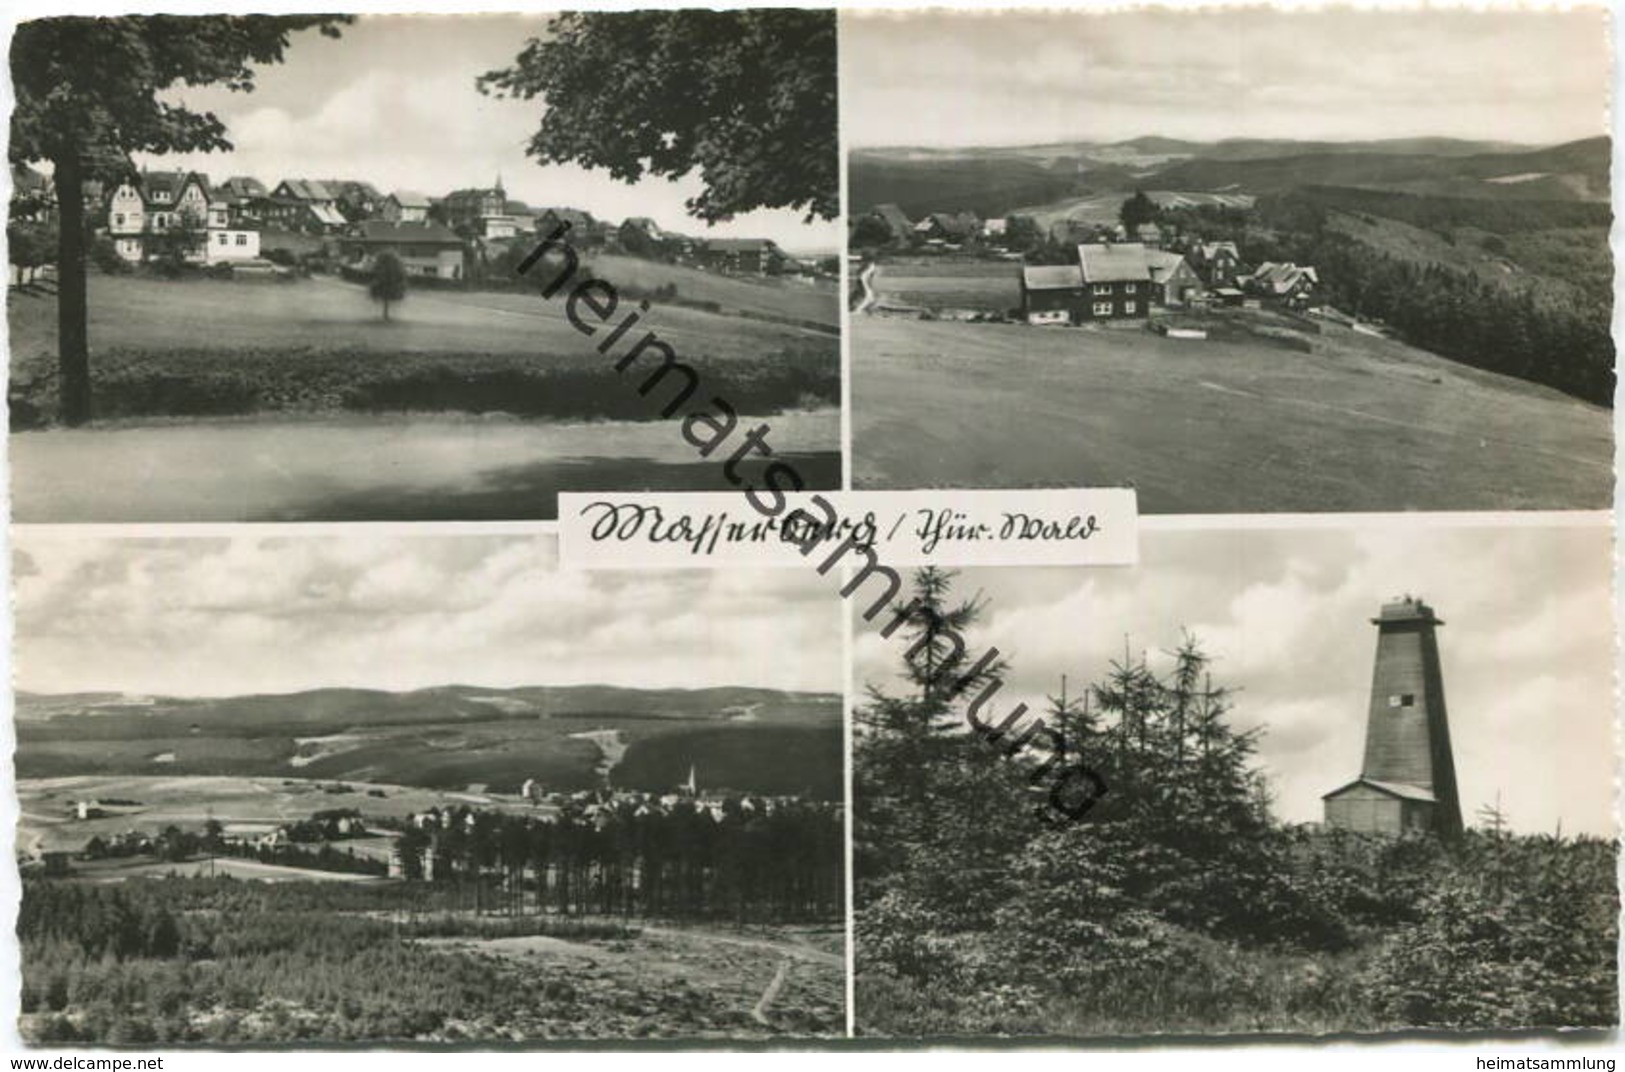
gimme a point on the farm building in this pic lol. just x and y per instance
(405, 206)
(1286, 283)
(428, 250)
(1051, 293)
(1217, 263)
(1118, 280)
(741, 256)
(1111, 281)
(1178, 282)
(948, 227)
(1408, 778)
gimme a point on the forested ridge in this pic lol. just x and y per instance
(1551, 326)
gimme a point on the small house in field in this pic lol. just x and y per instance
(1052, 294)
(1117, 279)
(427, 250)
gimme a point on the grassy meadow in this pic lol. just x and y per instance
(206, 347)
(1335, 420)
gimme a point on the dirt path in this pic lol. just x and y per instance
(759, 1013)
(867, 279)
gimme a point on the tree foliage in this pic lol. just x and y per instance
(747, 98)
(1136, 212)
(387, 284)
(89, 93)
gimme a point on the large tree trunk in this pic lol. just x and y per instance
(73, 343)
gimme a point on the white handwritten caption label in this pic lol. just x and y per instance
(1071, 527)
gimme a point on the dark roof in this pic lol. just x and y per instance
(475, 193)
(573, 216)
(352, 188)
(1123, 262)
(168, 181)
(1052, 277)
(410, 198)
(388, 232)
(308, 189)
(894, 216)
(1394, 789)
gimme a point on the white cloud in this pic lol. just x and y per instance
(212, 617)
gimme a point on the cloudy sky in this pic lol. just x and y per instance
(393, 102)
(966, 78)
(1527, 650)
(209, 617)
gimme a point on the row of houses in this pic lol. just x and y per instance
(1124, 281)
(224, 223)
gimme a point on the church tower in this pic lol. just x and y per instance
(1408, 779)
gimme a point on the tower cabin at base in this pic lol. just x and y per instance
(1408, 780)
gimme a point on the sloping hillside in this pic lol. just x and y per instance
(755, 740)
(1574, 171)
(985, 186)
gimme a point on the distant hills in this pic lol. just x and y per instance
(449, 737)
(992, 181)
(333, 710)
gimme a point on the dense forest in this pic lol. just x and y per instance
(1179, 903)
(754, 862)
(1558, 335)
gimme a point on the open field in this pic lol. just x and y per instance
(941, 283)
(1357, 423)
(189, 801)
(207, 347)
(1103, 208)
(138, 312)
(818, 302)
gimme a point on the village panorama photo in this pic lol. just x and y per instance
(304, 303)
(422, 789)
(1239, 260)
